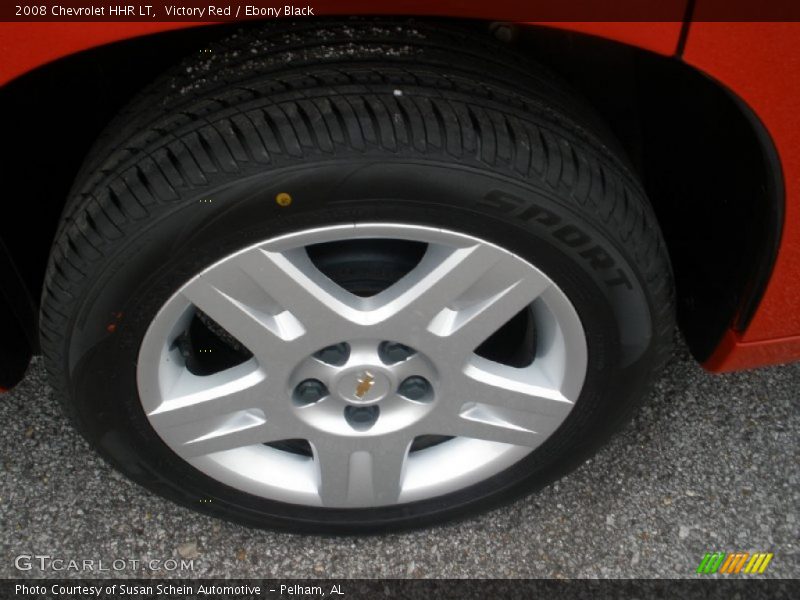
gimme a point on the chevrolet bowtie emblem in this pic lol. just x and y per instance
(365, 383)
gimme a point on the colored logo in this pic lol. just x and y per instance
(365, 383)
(733, 562)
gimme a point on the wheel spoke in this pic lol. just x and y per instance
(526, 389)
(458, 297)
(274, 302)
(222, 411)
(292, 279)
(481, 424)
(486, 403)
(333, 472)
(388, 458)
(366, 475)
(194, 398)
(263, 333)
(441, 276)
(466, 328)
(216, 434)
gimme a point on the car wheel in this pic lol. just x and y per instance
(354, 276)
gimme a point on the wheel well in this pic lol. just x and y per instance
(709, 166)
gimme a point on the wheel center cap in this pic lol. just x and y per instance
(364, 386)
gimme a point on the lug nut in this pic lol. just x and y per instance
(309, 391)
(394, 352)
(416, 388)
(335, 355)
(361, 417)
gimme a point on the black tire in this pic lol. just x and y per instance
(476, 139)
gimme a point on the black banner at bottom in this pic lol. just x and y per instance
(435, 589)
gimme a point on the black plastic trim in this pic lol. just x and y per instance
(775, 216)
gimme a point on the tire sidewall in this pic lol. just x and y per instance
(568, 241)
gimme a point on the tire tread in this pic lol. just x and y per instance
(298, 90)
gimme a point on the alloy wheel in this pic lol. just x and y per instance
(360, 380)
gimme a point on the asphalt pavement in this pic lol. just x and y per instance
(709, 463)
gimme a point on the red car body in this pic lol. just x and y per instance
(759, 62)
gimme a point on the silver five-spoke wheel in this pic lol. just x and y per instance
(386, 393)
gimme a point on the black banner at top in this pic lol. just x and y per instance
(156, 11)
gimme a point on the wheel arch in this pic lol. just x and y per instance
(666, 105)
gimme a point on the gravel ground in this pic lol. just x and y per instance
(710, 463)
